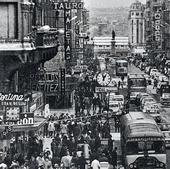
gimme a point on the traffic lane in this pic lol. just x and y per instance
(168, 158)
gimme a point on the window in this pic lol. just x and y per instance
(132, 14)
(137, 13)
(8, 25)
(150, 146)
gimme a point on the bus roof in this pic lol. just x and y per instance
(139, 124)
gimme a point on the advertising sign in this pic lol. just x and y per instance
(12, 113)
(67, 21)
(12, 99)
(105, 89)
(68, 5)
(46, 82)
(26, 119)
(157, 27)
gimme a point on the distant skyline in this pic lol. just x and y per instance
(109, 3)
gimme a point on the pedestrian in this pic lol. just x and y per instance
(33, 164)
(53, 147)
(66, 161)
(119, 83)
(82, 161)
(155, 83)
(95, 163)
(94, 102)
(47, 163)
(40, 161)
(51, 128)
(114, 158)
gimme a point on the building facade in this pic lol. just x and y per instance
(103, 46)
(136, 23)
(157, 16)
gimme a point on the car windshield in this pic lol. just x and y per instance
(141, 147)
(148, 100)
(118, 99)
(113, 105)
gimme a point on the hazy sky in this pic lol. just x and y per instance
(109, 3)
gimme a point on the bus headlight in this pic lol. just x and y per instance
(161, 165)
(131, 166)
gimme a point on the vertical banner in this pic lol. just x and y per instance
(67, 28)
(62, 76)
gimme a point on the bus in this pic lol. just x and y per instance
(142, 142)
(137, 83)
(121, 68)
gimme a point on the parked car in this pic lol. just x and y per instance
(114, 106)
(152, 72)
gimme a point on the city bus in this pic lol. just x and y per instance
(136, 83)
(142, 142)
(121, 68)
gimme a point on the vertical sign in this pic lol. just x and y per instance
(67, 28)
(157, 27)
(67, 7)
(77, 32)
(62, 72)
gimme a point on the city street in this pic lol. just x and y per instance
(73, 92)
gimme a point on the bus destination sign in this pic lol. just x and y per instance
(145, 139)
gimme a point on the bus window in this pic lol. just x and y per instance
(132, 148)
(150, 146)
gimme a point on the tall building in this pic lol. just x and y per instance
(136, 24)
(157, 16)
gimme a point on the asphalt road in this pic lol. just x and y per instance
(165, 113)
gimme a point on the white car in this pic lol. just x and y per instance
(147, 100)
(118, 98)
(114, 106)
(151, 107)
(153, 71)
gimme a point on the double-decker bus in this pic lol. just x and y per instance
(142, 142)
(121, 68)
(137, 83)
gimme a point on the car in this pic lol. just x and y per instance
(152, 72)
(114, 106)
(133, 96)
(161, 83)
(147, 100)
(142, 96)
(163, 78)
(151, 107)
(119, 98)
(167, 138)
(157, 75)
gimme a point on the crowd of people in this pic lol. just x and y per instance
(69, 136)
